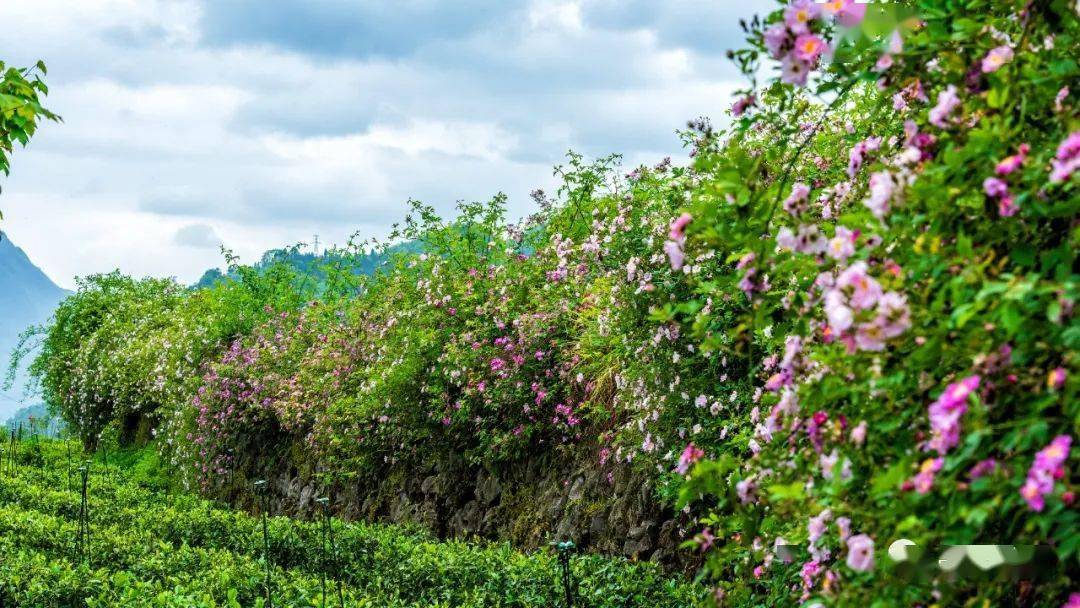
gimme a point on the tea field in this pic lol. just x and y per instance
(151, 546)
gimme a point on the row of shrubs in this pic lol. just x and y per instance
(847, 319)
(179, 550)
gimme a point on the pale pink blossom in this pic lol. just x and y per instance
(858, 434)
(860, 555)
(840, 316)
(794, 70)
(675, 254)
(799, 14)
(864, 289)
(776, 38)
(844, 525)
(996, 58)
(882, 187)
(842, 245)
(947, 102)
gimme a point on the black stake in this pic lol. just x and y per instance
(260, 487)
(83, 542)
(67, 444)
(322, 547)
(564, 549)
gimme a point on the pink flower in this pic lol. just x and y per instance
(893, 315)
(1055, 380)
(746, 490)
(882, 187)
(675, 254)
(840, 316)
(794, 71)
(842, 245)
(945, 414)
(848, 13)
(799, 14)
(1074, 601)
(1033, 494)
(924, 479)
(844, 525)
(678, 227)
(809, 47)
(860, 553)
(983, 468)
(1059, 99)
(947, 102)
(865, 291)
(810, 570)
(690, 455)
(776, 38)
(858, 434)
(1067, 159)
(883, 63)
(1052, 458)
(1013, 162)
(869, 337)
(995, 187)
(740, 106)
(1007, 206)
(817, 525)
(778, 380)
(858, 153)
(793, 204)
(996, 58)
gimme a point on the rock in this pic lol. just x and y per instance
(430, 485)
(577, 489)
(487, 488)
(598, 527)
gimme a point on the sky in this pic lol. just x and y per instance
(189, 124)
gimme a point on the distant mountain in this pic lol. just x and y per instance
(28, 297)
(34, 419)
(307, 263)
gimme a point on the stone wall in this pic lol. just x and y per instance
(529, 504)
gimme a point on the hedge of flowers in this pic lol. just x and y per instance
(904, 267)
(846, 321)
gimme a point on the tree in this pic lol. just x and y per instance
(20, 108)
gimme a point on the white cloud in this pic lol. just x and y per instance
(198, 236)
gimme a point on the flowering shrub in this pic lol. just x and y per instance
(905, 281)
(129, 350)
(498, 341)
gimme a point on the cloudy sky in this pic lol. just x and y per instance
(191, 123)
